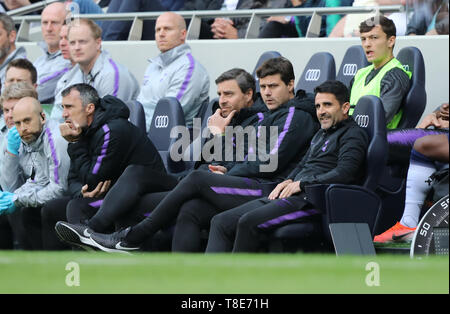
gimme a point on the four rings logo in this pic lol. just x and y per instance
(312, 75)
(161, 122)
(362, 120)
(349, 69)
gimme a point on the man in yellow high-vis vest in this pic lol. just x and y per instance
(385, 77)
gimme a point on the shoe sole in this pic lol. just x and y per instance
(70, 236)
(108, 250)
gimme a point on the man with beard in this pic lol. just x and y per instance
(8, 51)
(34, 167)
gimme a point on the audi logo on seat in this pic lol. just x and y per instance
(312, 75)
(349, 69)
(161, 122)
(363, 120)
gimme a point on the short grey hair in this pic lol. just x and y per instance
(18, 90)
(88, 94)
(8, 23)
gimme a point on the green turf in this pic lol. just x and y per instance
(45, 272)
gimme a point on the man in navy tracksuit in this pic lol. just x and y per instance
(336, 155)
(233, 183)
(112, 162)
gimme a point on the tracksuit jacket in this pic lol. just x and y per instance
(175, 73)
(108, 146)
(336, 155)
(50, 68)
(245, 117)
(107, 77)
(39, 173)
(296, 123)
(20, 52)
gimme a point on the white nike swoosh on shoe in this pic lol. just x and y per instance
(105, 249)
(86, 233)
(120, 247)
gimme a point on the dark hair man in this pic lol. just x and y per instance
(232, 184)
(112, 162)
(336, 155)
(385, 77)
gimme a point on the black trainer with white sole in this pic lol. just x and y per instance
(75, 235)
(114, 242)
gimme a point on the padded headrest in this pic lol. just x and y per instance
(137, 114)
(168, 114)
(320, 68)
(354, 59)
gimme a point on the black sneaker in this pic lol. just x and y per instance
(114, 242)
(75, 234)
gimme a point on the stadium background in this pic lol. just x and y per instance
(220, 55)
(42, 272)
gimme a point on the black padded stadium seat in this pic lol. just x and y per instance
(137, 114)
(168, 114)
(354, 59)
(343, 203)
(191, 155)
(416, 100)
(392, 187)
(264, 57)
(320, 68)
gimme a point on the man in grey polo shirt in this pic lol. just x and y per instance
(51, 65)
(174, 72)
(8, 51)
(94, 66)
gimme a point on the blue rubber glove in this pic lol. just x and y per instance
(7, 203)
(13, 141)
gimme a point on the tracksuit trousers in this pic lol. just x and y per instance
(121, 200)
(203, 192)
(243, 228)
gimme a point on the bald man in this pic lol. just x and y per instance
(174, 72)
(34, 169)
(51, 65)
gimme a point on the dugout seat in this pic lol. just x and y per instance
(263, 58)
(392, 184)
(354, 59)
(343, 203)
(320, 68)
(168, 114)
(416, 100)
(193, 153)
(137, 114)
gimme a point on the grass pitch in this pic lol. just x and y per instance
(170, 273)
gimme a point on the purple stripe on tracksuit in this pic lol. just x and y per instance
(52, 76)
(287, 124)
(104, 149)
(116, 77)
(260, 116)
(96, 204)
(288, 217)
(188, 77)
(237, 191)
(248, 181)
(54, 157)
(408, 137)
